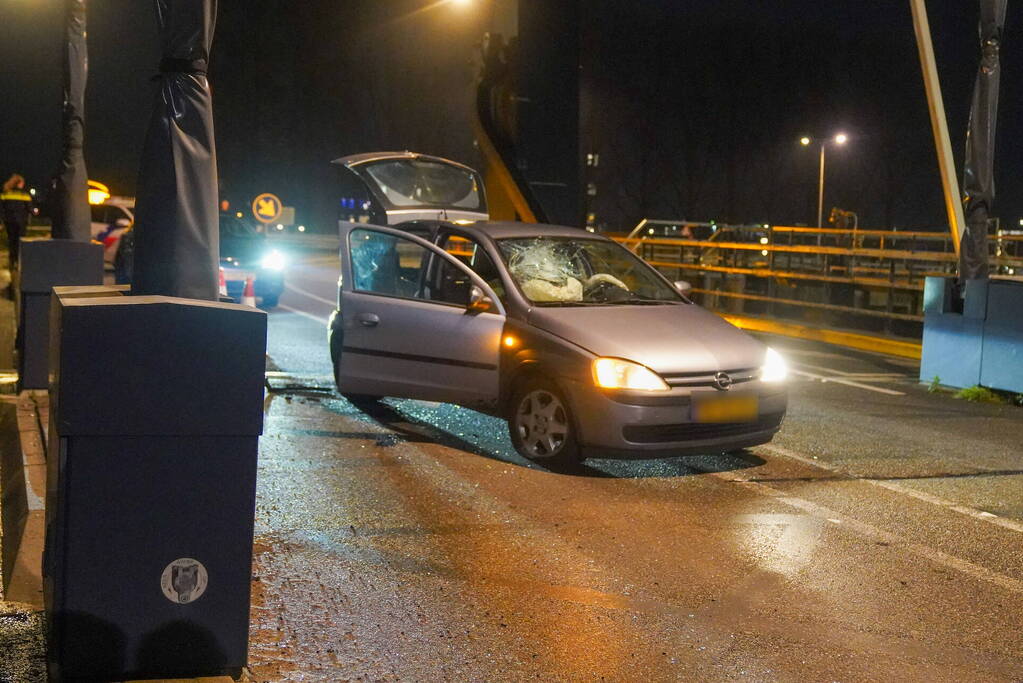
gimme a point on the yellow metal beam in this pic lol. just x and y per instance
(786, 275)
(499, 179)
(890, 254)
(852, 340)
(914, 234)
(810, 304)
(939, 123)
(885, 254)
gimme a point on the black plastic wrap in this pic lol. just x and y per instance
(978, 170)
(71, 208)
(176, 222)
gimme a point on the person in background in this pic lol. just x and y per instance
(16, 204)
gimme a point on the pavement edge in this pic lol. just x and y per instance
(22, 495)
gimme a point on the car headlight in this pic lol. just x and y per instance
(274, 261)
(774, 369)
(615, 373)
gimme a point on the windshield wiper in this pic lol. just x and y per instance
(640, 302)
(561, 304)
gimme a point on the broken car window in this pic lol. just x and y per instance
(571, 271)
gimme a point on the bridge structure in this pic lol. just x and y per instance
(862, 288)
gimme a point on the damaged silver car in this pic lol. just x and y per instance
(585, 349)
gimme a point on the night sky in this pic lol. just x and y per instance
(695, 108)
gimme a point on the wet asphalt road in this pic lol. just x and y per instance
(877, 538)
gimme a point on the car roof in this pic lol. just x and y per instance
(511, 229)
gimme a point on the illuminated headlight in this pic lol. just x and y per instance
(615, 373)
(274, 261)
(775, 369)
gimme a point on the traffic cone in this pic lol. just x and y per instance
(249, 295)
(223, 284)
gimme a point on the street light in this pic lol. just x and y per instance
(805, 141)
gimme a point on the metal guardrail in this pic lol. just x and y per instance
(870, 279)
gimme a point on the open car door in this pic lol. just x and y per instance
(415, 322)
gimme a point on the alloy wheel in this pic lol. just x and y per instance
(541, 423)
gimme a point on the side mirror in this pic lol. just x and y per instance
(478, 301)
(683, 287)
(122, 223)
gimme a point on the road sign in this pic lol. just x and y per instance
(267, 208)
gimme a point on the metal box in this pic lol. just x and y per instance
(44, 264)
(155, 418)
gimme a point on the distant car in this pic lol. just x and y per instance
(244, 253)
(110, 221)
(580, 345)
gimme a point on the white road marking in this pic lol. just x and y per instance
(303, 313)
(298, 290)
(819, 367)
(864, 529)
(898, 488)
(841, 380)
(854, 375)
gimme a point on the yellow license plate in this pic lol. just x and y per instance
(740, 408)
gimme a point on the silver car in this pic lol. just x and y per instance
(585, 349)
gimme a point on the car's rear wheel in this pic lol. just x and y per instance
(541, 424)
(270, 301)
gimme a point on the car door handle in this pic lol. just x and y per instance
(368, 319)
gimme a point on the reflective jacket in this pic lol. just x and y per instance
(16, 205)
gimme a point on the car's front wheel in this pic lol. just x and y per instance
(541, 423)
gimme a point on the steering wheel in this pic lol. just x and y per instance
(598, 278)
(603, 287)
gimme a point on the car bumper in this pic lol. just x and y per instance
(614, 427)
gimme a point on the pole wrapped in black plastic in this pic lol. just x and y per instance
(71, 219)
(978, 173)
(177, 235)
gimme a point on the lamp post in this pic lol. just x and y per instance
(71, 210)
(805, 141)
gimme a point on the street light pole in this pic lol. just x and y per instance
(805, 141)
(820, 191)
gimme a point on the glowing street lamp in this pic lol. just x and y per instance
(805, 141)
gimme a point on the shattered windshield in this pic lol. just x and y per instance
(565, 271)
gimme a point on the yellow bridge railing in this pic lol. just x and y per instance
(837, 277)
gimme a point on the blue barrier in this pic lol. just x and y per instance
(976, 339)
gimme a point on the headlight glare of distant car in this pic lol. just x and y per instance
(615, 373)
(274, 261)
(775, 369)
